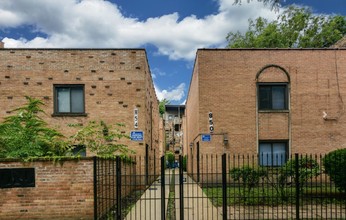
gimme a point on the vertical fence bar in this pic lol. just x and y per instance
(163, 205)
(297, 184)
(181, 187)
(147, 165)
(95, 187)
(154, 163)
(224, 188)
(118, 187)
(198, 162)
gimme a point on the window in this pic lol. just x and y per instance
(177, 127)
(272, 153)
(79, 150)
(69, 99)
(272, 97)
(17, 177)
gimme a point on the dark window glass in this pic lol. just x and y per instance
(272, 97)
(272, 153)
(17, 177)
(79, 150)
(69, 99)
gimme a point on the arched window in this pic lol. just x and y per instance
(272, 88)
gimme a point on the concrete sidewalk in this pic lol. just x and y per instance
(196, 204)
(149, 205)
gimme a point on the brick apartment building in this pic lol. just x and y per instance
(79, 85)
(271, 102)
(173, 119)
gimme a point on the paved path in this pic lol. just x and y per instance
(196, 204)
(149, 205)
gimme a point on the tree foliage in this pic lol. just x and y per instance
(170, 158)
(308, 168)
(185, 163)
(283, 177)
(25, 134)
(249, 176)
(294, 28)
(335, 166)
(101, 139)
(162, 106)
(275, 4)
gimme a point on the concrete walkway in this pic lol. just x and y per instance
(196, 204)
(149, 205)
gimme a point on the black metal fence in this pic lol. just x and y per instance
(225, 187)
(253, 187)
(119, 183)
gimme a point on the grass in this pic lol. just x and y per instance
(129, 201)
(171, 199)
(269, 196)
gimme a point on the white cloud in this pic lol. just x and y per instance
(101, 24)
(175, 94)
(98, 23)
(158, 72)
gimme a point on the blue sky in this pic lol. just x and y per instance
(170, 30)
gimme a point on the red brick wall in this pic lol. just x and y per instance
(63, 190)
(116, 81)
(224, 82)
(192, 114)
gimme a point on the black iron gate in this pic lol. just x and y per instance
(225, 187)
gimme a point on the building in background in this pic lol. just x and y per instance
(270, 102)
(80, 85)
(173, 120)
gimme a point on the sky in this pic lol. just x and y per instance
(171, 31)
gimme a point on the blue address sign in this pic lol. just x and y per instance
(206, 137)
(137, 135)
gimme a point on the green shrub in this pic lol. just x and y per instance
(169, 158)
(185, 163)
(335, 166)
(308, 168)
(283, 177)
(248, 176)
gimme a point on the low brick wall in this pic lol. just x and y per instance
(63, 190)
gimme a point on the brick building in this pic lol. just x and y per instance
(173, 118)
(271, 102)
(79, 85)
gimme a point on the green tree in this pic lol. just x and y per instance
(25, 134)
(275, 4)
(169, 158)
(101, 139)
(294, 28)
(162, 106)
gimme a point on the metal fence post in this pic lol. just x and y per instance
(224, 188)
(95, 187)
(118, 187)
(181, 187)
(297, 184)
(147, 165)
(163, 206)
